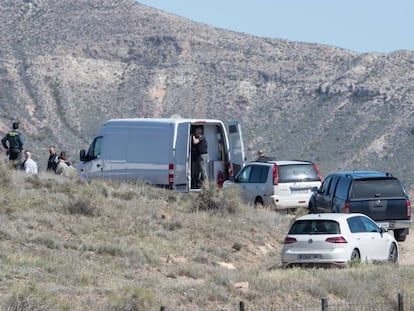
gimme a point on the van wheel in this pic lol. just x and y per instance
(258, 203)
(393, 254)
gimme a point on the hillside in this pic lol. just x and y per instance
(67, 66)
(105, 246)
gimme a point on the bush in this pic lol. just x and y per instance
(212, 198)
(132, 299)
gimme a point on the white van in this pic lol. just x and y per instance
(158, 151)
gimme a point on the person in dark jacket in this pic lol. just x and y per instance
(200, 146)
(13, 143)
(53, 160)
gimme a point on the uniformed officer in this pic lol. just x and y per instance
(13, 142)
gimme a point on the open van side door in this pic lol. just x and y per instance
(238, 157)
(182, 171)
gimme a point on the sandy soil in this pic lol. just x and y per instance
(407, 250)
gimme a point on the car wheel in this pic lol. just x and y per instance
(311, 208)
(393, 254)
(400, 234)
(258, 202)
(355, 257)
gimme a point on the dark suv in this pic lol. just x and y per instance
(379, 195)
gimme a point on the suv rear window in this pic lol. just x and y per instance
(297, 172)
(376, 188)
(315, 227)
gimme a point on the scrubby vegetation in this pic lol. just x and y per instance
(66, 245)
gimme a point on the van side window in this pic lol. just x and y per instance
(94, 150)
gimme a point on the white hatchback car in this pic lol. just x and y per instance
(337, 239)
(278, 184)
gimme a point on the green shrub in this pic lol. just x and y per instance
(132, 299)
(86, 207)
(212, 198)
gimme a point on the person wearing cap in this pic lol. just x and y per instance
(13, 143)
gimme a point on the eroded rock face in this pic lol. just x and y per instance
(67, 66)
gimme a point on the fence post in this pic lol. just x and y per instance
(241, 306)
(324, 304)
(162, 308)
(400, 302)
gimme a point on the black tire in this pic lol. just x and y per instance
(355, 257)
(393, 254)
(258, 203)
(400, 234)
(311, 208)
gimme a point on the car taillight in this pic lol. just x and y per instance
(171, 174)
(289, 240)
(318, 172)
(275, 175)
(408, 203)
(337, 239)
(347, 207)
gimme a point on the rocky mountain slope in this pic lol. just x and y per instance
(67, 66)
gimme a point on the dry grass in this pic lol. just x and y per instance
(65, 245)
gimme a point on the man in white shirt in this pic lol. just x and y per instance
(29, 165)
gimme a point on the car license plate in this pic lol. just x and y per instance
(309, 256)
(300, 191)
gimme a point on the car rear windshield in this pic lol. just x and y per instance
(321, 226)
(297, 173)
(376, 188)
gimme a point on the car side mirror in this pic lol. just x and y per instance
(315, 189)
(82, 155)
(382, 230)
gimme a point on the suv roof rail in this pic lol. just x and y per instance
(301, 160)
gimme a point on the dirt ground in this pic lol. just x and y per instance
(407, 250)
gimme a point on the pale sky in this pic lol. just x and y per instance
(358, 25)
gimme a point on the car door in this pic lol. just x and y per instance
(323, 197)
(368, 243)
(378, 242)
(242, 180)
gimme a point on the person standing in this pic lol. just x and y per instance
(13, 142)
(29, 165)
(53, 160)
(200, 143)
(62, 168)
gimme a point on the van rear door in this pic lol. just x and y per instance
(238, 157)
(182, 172)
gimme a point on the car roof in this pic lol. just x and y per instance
(362, 174)
(282, 162)
(330, 216)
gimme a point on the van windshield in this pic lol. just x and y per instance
(297, 173)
